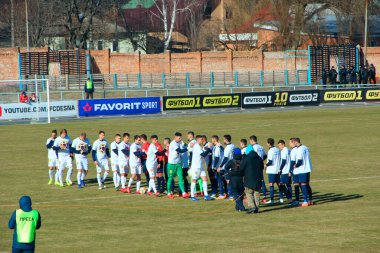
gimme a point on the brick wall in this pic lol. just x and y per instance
(373, 57)
(8, 63)
(109, 63)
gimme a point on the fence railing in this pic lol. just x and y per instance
(181, 80)
(61, 95)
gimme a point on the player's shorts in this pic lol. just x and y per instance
(53, 162)
(296, 179)
(65, 162)
(102, 165)
(124, 167)
(197, 173)
(152, 169)
(82, 164)
(304, 178)
(285, 179)
(114, 166)
(136, 169)
(273, 178)
(161, 169)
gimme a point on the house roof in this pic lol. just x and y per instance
(138, 4)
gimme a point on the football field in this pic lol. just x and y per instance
(344, 146)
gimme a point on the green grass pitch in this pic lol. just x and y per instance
(344, 144)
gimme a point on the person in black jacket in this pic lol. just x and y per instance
(353, 75)
(251, 168)
(343, 75)
(364, 75)
(232, 168)
(372, 74)
(333, 75)
(324, 78)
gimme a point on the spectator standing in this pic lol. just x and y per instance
(89, 89)
(333, 75)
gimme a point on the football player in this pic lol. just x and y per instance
(123, 159)
(303, 168)
(174, 165)
(285, 180)
(152, 164)
(228, 155)
(272, 167)
(115, 160)
(197, 171)
(52, 157)
(81, 147)
(100, 155)
(135, 155)
(62, 147)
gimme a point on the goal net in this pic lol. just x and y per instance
(25, 100)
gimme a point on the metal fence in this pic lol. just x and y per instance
(61, 95)
(181, 80)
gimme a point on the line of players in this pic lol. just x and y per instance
(161, 164)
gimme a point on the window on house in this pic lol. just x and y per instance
(115, 46)
(228, 14)
(100, 45)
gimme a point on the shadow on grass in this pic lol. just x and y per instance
(318, 199)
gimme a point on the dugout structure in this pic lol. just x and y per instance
(324, 56)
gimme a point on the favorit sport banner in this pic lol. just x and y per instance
(201, 101)
(280, 98)
(119, 106)
(30, 111)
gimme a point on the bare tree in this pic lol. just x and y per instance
(167, 11)
(194, 20)
(78, 18)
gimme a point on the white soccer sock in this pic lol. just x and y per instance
(56, 175)
(60, 176)
(205, 189)
(150, 185)
(83, 175)
(153, 185)
(79, 176)
(115, 178)
(105, 176)
(99, 177)
(192, 188)
(118, 179)
(130, 182)
(138, 183)
(51, 174)
(69, 172)
(123, 181)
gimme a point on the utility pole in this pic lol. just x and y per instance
(27, 25)
(12, 24)
(366, 32)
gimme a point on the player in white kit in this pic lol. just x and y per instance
(81, 147)
(273, 167)
(197, 171)
(100, 155)
(124, 147)
(62, 146)
(52, 158)
(152, 164)
(135, 155)
(115, 161)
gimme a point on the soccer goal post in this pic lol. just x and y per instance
(27, 99)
